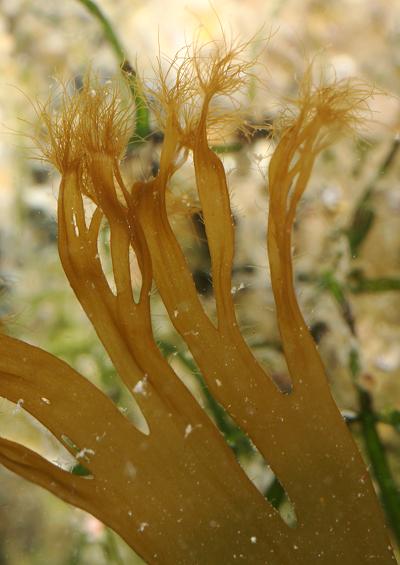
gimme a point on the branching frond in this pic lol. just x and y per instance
(177, 495)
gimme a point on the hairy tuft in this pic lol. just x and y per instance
(206, 78)
(98, 118)
(334, 109)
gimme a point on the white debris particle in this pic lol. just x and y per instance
(188, 430)
(191, 332)
(83, 453)
(295, 546)
(331, 196)
(236, 289)
(45, 400)
(140, 386)
(19, 406)
(218, 382)
(130, 513)
(130, 470)
(388, 362)
(176, 313)
(253, 539)
(99, 438)
(142, 526)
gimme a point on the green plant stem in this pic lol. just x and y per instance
(142, 128)
(364, 215)
(359, 283)
(75, 555)
(391, 418)
(107, 28)
(388, 491)
(329, 281)
(229, 148)
(111, 550)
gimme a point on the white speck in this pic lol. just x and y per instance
(191, 332)
(214, 524)
(142, 526)
(99, 438)
(331, 196)
(92, 93)
(218, 382)
(295, 546)
(130, 513)
(176, 313)
(19, 406)
(45, 400)
(389, 361)
(83, 453)
(130, 470)
(236, 289)
(188, 430)
(253, 539)
(140, 386)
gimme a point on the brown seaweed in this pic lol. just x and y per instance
(177, 494)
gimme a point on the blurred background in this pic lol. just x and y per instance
(346, 242)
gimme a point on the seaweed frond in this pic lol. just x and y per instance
(97, 118)
(177, 495)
